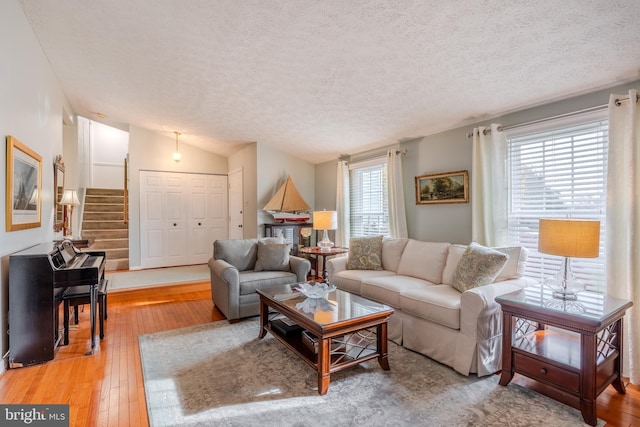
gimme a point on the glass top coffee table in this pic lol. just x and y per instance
(330, 334)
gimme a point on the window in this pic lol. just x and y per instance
(369, 198)
(559, 173)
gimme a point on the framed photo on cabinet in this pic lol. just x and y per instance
(24, 186)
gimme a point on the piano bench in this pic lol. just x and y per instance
(80, 295)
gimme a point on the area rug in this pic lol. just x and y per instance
(221, 374)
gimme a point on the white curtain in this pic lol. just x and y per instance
(342, 233)
(489, 187)
(397, 215)
(623, 221)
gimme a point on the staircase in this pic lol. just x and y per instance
(103, 221)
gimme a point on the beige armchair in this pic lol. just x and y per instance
(241, 266)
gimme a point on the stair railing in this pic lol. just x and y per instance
(126, 192)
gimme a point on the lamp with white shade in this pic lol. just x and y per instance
(569, 238)
(70, 199)
(325, 221)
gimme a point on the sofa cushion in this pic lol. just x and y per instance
(387, 289)
(240, 253)
(424, 260)
(453, 258)
(252, 280)
(439, 304)
(351, 280)
(514, 268)
(365, 253)
(273, 257)
(479, 266)
(392, 252)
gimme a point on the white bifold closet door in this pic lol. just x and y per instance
(181, 215)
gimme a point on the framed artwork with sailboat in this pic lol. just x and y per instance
(287, 205)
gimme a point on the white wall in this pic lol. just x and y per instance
(152, 151)
(109, 148)
(32, 106)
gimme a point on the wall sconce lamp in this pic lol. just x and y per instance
(177, 155)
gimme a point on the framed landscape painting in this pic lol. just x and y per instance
(449, 187)
(24, 186)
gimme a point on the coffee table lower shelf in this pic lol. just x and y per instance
(342, 356)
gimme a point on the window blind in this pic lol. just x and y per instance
(559, 173)
(369, 198)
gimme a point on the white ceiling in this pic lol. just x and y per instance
(318, 79)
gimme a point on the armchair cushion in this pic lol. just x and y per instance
(479, 266)
(273, 257)
(240, 253)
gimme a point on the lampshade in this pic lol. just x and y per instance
(70, 197)
(576, 238)
(325, 220)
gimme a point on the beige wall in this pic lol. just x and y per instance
(273, 168)
(247, 161)
(451, 151)
(152, 151)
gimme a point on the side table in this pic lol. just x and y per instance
(577, 358)
(317, 253)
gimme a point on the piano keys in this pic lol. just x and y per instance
(38, 279)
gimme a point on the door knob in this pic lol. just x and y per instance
(174, 224)
(199, 223)
(240, 226)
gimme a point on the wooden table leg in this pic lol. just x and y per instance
(383, 357)
(617, 382)
(264, 318)
(507, 332)
(588, 395)
(324, 365)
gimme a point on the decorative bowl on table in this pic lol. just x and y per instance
(315, 290)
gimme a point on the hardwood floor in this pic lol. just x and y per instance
(106, 389)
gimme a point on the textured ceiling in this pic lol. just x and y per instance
(322, 78)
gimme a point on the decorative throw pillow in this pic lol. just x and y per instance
(273, 257)
(479, 266)
(365, 253)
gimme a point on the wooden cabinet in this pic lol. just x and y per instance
(291, 231)
(573, 348)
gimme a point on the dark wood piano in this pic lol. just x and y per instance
(39, 277)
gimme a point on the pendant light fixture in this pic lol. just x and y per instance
(177, 155)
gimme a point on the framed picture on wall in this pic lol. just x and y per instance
(24, 186)
(449, 187)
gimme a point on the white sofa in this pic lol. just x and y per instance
(462, 330)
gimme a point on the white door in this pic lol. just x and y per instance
(236, 202)
(177, 196)
(218, 205)
(152, 233)
(207, 216)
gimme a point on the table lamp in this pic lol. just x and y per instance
(325, 220)
(577, 238)
(70, 199)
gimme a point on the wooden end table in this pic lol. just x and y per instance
(577, 358)
(317, 253)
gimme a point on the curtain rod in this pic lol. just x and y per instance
(618, 102)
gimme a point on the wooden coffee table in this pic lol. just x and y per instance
(347, 328)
